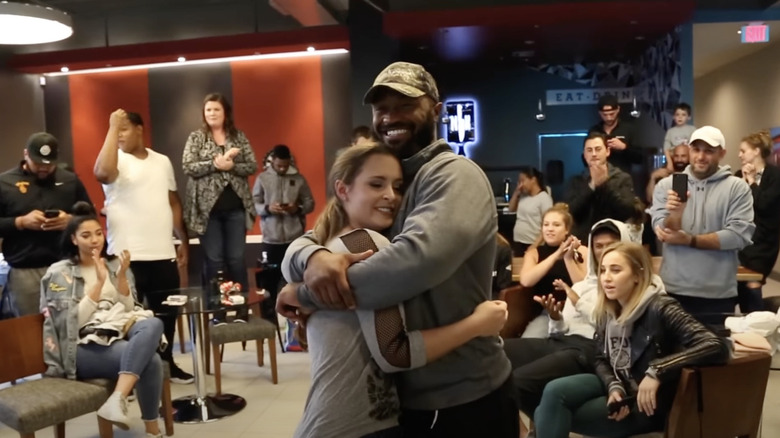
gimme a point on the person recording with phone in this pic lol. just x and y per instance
(703, 228)
(282, 199)
(556, 254)
(36, 198)
(619, 134)
(643, 339)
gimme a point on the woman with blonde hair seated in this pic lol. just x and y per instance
(643, 339)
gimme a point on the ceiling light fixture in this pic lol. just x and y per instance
(65, 71)
(23, 23)
(310, 49)
(181, 59)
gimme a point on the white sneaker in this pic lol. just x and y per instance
(115, 411)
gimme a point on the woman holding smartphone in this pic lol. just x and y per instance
(764, 181)
(644, 338)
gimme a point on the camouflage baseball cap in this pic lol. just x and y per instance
(406, 78)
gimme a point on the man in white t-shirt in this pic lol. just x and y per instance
(143, 210)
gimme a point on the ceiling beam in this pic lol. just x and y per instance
(307, 12)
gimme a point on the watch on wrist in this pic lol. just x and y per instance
(652, 372)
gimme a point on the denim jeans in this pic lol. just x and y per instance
(136, 355)
(579, 404)
(223, 246)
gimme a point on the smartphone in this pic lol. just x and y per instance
(614, 407)
(50, 214)
(680, 185)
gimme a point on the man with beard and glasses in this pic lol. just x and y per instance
(680, 159)
(35, 198)
(438, 267)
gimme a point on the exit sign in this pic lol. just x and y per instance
(755, 33)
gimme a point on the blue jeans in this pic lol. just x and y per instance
(136, 355)
(579, 404)
(223, 246)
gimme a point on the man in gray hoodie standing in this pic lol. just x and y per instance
(440, 267)
(282, 200)
(701, 237)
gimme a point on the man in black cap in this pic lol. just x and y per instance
(35, 198)
(620, 135)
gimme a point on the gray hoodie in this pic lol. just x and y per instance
(721, 204)
(617, 339)
(290, 188)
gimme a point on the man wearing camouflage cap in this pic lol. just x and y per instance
(35, 198)
(438, 266)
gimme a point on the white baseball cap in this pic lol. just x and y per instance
(710, 135)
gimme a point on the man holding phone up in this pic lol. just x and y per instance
(35, 198)
(703, 228)
(282, 200)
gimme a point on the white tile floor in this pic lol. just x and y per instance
(273, 411)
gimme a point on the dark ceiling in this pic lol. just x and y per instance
(443, 30)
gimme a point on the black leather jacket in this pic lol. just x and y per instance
(668, 339)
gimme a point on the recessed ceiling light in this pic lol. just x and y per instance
(310, 49)
(64, 69)
(181, 59)
(739, 32)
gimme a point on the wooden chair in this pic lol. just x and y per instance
(520, 303)
(255, 329)
(36, 404)
(720, 401)
(50, 401)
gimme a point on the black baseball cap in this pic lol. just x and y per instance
(605, 226)
(608, 102)
(43, 147)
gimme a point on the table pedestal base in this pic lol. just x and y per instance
(193, 409)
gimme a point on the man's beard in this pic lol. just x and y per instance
(422, 137)
(678, 166)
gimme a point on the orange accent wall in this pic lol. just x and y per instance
(93, 97)
(280, 101)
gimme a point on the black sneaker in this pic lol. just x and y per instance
(242, 315)
(178, 375)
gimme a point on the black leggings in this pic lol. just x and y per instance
(536, 362)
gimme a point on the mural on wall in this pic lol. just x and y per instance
(655, 77)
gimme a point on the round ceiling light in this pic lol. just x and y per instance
(23, 23)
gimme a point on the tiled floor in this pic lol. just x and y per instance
(273, 410)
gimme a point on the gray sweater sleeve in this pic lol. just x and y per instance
(294, 262)
(393, 348)
(432, 244)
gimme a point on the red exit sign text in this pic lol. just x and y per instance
(755, 33)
